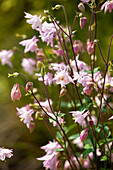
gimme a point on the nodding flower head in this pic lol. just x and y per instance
(15, 92)
(84, 134)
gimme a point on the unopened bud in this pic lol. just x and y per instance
(15, 92)
(56, 7)
(83, 22)
(31, 127)
(63, 92)
(90, 123)
(59, 164)
(81, 7)
(46, 12)
(29, 86)
(84, 134)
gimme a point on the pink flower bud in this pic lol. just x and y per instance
(84, 134)
(29, 86)
(31, 127)
(83, 22)
(81, 7)
(90, 47)
(15, 92)
(63, 92)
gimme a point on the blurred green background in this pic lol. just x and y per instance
(13, 133)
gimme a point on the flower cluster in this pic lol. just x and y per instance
(71, 86)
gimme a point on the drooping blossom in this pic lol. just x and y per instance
(34, 20)
(84, 134)
(79, 116)
(81, 7)
(81, 65)
(108, 5)
(28, 65)
(5, 153)
(48, 33)
(58, 67)
(30, 44)
(63, 78)
(50, 159)
(83, 22)
(15, 92)
(45, 104)
(48, 78)
(25, 115)
(5, 56)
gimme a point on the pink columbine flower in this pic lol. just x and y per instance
(15, 92)
(5, 153)
(25, 115)
(81, 7)
(108, 5)
(45, 104)
(5, 56)
(48, 33)
(77, 46)
(47, 78)
(83, 22)
(84, 134)
(30, 44)
(50, 159)
(79, 116)
(28, 65)
(62, 77)
(34, 20)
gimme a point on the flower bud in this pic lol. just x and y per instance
(81, 7)
(90, 47)
(29, 86)
(90, 123)
(84, 134)
(63, 92)
(31, 127)
(15, 92)
(83, 22)
(59, 164)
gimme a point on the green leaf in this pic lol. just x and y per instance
(61, 114)
(88, 146)
(74, 136)
(101, 142)
(96, 69)
(72, 126)
(59, 150)
(86, 152)
(103, 158)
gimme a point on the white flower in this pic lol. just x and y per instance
(5, 153)
(79, 116)
(5, 57)
(28, 65)
(25, 114)
(34, 20)
(30, 44)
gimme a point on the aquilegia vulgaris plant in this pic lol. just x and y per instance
(81, 113)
